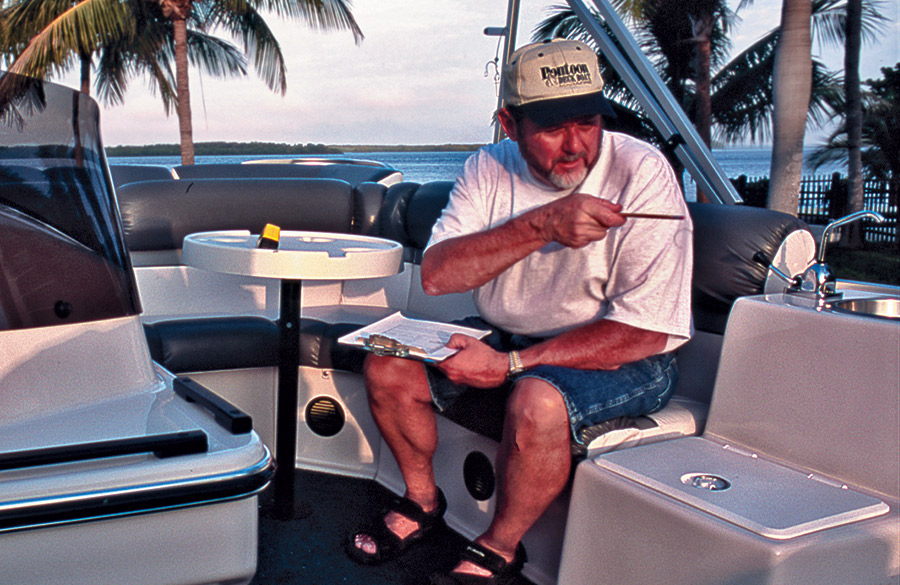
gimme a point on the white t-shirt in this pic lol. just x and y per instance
(640, 274)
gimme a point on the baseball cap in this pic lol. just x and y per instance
(553, 81)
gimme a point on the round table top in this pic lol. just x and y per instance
(299, 256)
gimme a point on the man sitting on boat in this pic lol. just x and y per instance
(589, 304)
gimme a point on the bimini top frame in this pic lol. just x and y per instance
(651, 93)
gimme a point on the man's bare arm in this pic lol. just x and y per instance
(463, 263)
(603, 345)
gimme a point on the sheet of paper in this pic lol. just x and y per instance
(426, 339)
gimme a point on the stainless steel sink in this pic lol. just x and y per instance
(884, 307)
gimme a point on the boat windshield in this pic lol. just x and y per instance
(62, 252)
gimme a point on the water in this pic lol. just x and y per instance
(423, 167)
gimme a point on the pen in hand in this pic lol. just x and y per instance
(651, 215)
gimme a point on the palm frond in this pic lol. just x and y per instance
(742, 97)
(318, 14)
(20, 98)
(880, 142)
(561, 22)
(742, 93)
(242, 21)
(80, 29)
(148, 52)
(829, 18)
(214, 55)
(631, 11)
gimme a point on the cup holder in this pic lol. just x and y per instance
(706, 481)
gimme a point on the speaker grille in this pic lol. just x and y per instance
(478, 473)
(324, 416)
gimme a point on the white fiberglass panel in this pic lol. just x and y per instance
(764, 497)
(228, 458)
(812, 387)
(50, 369)
(193, 546)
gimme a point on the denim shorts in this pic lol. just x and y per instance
(591, 396)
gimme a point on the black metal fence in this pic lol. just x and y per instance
(823, 198)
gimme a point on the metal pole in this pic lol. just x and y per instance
(656, 101)
(509, 47)
(288, 377)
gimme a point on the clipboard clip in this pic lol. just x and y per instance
(383, 345)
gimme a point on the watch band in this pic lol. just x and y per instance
(515, 364)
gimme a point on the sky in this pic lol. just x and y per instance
(420, 76)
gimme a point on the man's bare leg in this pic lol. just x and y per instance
(533, 466)
(400, 402)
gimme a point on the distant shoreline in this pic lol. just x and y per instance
(272, 148)
(310, 149)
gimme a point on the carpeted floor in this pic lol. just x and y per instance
(309, 548)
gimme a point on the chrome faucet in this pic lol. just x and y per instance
(818, 279)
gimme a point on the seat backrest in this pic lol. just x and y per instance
(726, 237)
(124, 174)
(409, 212)
(157, 215)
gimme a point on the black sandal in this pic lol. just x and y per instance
(504, 572)
(387, 544)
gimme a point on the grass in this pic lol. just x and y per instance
(877, 263)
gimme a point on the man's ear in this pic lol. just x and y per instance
(508, 123)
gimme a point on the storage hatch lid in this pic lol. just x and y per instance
(764, 497)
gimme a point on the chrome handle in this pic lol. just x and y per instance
(865, 213)
(792, 281)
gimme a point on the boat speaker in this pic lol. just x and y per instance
(324, 416)
(478, 474)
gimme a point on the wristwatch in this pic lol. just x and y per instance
(515, 364)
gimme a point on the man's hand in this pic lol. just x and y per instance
(577, 219)
(476, 364)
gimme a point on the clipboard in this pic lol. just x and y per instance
(400, 336)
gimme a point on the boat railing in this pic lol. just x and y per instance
(655, 99)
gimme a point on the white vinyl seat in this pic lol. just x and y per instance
(681, 417)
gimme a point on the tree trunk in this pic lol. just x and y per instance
(792, 83)
(703, 51)
(183, 105)
(853, 233)
(86, 74)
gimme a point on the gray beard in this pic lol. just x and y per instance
(567, 180)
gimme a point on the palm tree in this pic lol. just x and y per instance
(742, 90)
(861, 21)
(687, 41)
(128, 40)
(692, 39)
(879, 136)
(741, 93)
(54, 45)
(853, 93)
(859, 18)
(183, 33)
(791, 85)
(241, 18)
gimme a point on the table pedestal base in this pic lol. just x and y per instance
(286, 428)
